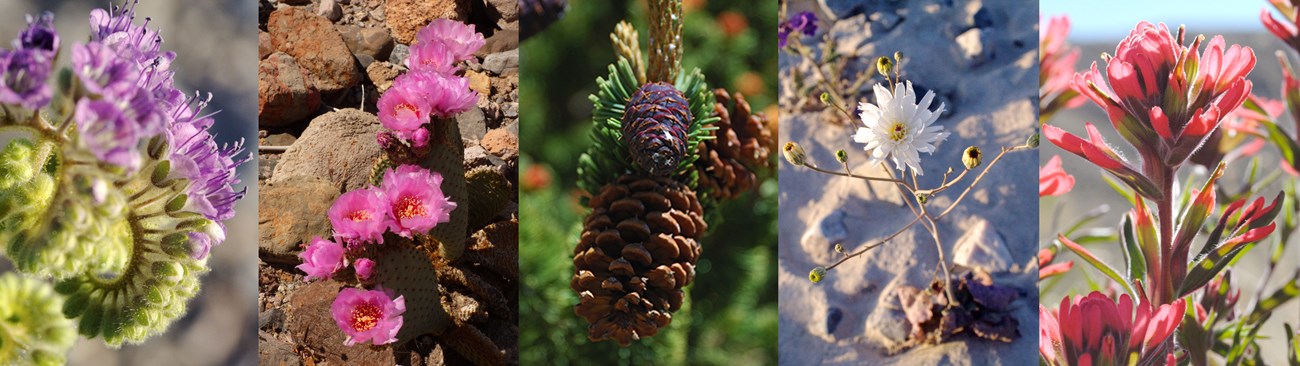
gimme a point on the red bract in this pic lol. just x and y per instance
(1163, 98)
(1053, 180)
(1056, 61)
(1048, 269)
(1095, 330)
(1287, 30)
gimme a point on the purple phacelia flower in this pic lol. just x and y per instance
(360, 216)
(416, 201)
(117, 26)
(24, 72)
(803, 22)
(100, 69)
(209, 168)
(112, 128)
(39, 35)
(322, 258)
(453, 41)
(368, 316)
(364, 267)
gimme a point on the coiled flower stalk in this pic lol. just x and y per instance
(110, 183)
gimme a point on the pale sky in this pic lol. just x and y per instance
(1112, 19)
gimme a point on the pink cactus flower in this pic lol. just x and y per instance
(404, 108)
(1053, 180)
(360, 216)
(458, 40)
(447, 95)
(364, 267)
(1096, 330)
(321, 259)
(368, 316)
(416, 201)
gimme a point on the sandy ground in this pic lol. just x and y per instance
(1090, 191)
(992, 105)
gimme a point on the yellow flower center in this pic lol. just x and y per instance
(408, 207)
(359, 215)
(898, 132)
(365, 316)
(408, 108)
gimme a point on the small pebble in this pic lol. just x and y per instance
(833, 317)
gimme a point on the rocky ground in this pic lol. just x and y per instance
(324, 63)
(979, 57)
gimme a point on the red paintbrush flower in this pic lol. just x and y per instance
(1163, 98)
(1095, 330)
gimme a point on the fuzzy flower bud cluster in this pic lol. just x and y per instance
(112, 185)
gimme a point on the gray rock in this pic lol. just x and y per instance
(502, 40)
(887, 325)
(472, 125)
(399, 54)
(272, 351)
(507, 10)
(476, 156)
(499, 62)
(982, 248)
(844, 8)
(833, 317)
(291, 212)
(330, 9)
(295, 2)
(339, 147)
(510, 110)
(972, 48)
(279, 139)
(374, 42)
(885, 21)
(821, 238)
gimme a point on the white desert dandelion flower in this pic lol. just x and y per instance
(899, 128)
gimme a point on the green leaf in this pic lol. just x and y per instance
(1279, 297)
(1105, 269)
(1137, 264)
(1120, 188)
(1285, 144)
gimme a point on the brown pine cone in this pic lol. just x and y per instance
(638, 250)
(739, 147)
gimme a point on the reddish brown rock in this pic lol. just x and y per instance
(382, 75)
(502, 143)
(264, 47)
(312, 40)
(311, 326)
(285, 93)
(406, 17)
(292, 212)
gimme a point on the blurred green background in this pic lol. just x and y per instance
(730, 317)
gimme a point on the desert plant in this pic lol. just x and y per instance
(111, 187)
(1176, 105)
(896, 129)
